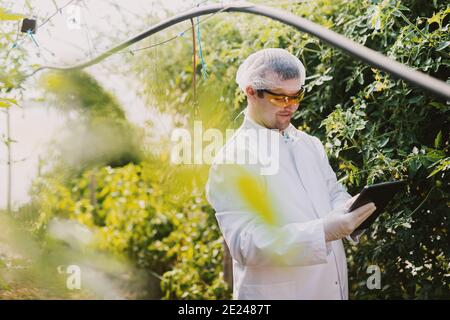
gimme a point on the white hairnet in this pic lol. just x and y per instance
(268, 68)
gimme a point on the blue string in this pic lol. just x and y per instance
(32, 38)
(199, 38)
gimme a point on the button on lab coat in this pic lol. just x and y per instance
(287, 258)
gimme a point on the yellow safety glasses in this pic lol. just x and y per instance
(282, 100)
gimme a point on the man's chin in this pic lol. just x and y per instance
(283, 122)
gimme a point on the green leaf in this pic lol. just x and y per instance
(384, 142)
(443, 45)
(438, 140)
(361, 78)
(9, 16)
(435, 18)
(415, 99)
(442, 165)
(437, 105)
(6, 103)
(414, 166)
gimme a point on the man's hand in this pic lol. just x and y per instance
(350, 201)
(338, 226)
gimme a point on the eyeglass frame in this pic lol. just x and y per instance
(300, 95)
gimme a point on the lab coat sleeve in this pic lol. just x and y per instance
(338, 193)
(254, 242)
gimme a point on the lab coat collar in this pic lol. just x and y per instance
(305, 161)
(291, 131)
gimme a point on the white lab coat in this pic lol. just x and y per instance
(289, 260)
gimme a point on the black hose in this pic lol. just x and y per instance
(361, 52)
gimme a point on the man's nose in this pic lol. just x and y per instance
(290, 106)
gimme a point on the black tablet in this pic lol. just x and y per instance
(380, 194)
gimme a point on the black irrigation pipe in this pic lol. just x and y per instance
(361, 52)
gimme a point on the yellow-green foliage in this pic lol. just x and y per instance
(4, 15)
(136, 212)
(375, 127)
(100, 134)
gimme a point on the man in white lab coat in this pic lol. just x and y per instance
(282, 212)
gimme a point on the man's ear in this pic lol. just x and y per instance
(250, 92)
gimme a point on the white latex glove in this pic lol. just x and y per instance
(350, 201)
(338, 226)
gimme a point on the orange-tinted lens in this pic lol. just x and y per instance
(283, 102)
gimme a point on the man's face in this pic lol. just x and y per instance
(267, 114)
